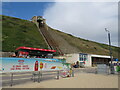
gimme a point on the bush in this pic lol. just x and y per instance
(118, 68)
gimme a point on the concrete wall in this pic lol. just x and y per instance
(34, 19)
(5, 54)
(72, 58)
(89, 62)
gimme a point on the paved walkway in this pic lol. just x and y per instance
(81, 80)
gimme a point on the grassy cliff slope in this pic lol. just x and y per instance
(71, 44)
(17, 32)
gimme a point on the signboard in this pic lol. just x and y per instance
(116, 59)
(31, 64)
(41, 65)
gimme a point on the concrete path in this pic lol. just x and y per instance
(81, 80)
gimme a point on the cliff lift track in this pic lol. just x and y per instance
(49, 40)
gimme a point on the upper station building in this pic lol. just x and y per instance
(38, 19)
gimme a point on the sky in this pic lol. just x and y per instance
(24, 10)
(86, 20)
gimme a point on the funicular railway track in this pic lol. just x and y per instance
(52, 44)
(43, 29)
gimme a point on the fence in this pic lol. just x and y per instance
(36, 76)
(102, 69)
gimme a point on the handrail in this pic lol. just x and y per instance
(39, 75)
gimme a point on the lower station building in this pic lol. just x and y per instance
(88, 60)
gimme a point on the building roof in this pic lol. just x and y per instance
(30, 48)
(101, 56)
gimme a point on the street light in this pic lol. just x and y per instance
(111, 65)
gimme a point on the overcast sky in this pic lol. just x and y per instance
(87, 20)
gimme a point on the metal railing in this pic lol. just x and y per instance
(10, 79)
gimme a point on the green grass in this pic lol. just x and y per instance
(17, 32)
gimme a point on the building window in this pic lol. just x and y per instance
(83, 57)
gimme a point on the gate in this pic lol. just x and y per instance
(102, 69)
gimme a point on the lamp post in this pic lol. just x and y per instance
(111, 65)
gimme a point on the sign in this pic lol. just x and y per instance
(116, 59)
(31, 64)
(41, 65)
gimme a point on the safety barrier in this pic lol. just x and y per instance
(10, 79)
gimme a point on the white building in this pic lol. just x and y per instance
(88, 60)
